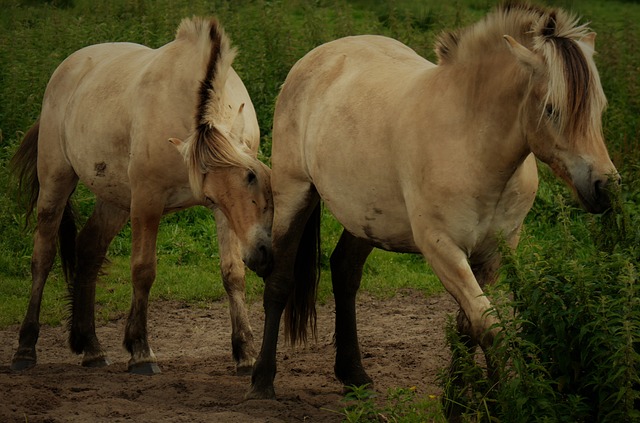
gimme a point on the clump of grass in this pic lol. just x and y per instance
(399, 405)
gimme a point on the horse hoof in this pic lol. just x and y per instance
(146, 369)
(20, 364)
(96, 362)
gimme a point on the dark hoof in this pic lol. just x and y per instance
(146, 369)
(20, 364)
(96, 362)
(260, 394)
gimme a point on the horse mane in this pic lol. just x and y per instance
(209, 145)
(574, 89)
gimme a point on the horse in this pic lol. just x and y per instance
(149, 132)
(435, 159)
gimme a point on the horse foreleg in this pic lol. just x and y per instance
(452, 267)
(347, 261)
(144, 226)
(233, 279)
(486, 273)
(92, 244)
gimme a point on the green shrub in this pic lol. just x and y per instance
(569, 349)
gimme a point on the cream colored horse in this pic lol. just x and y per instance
(415, 157)
(108, 114)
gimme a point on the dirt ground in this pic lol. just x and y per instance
(402, 344)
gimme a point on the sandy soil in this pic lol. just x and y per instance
(402, 344)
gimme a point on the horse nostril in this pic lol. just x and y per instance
(599, 186)
(618, 180)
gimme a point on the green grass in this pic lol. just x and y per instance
(398, 405)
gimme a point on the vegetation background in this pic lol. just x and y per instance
(573, 278)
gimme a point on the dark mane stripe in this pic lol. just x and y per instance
(206, 85)
(211, 145)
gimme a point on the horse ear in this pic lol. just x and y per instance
(590, 40)
(524, 55)
(237, 127)
(178, 143)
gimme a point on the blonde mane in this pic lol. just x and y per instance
(210, 146)
(574, 90)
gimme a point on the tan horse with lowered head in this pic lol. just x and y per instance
(415, 157)
(108, 114)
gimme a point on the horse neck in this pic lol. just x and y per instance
(494, 92)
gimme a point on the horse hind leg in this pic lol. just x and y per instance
(52, 207)
(347, 262)
(233, 279)
(92, 244)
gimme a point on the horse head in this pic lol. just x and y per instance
(225, 175)
(562, 115)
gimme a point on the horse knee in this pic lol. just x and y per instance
(232, 277)
(143, 275)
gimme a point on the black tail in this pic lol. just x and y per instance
(24, 165)
(300, 312)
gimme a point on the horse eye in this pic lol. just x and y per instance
(251, 177)
(549, 111)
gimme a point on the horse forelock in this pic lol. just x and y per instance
(210, 148)
(573, 91)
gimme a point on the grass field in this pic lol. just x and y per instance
(35, 36)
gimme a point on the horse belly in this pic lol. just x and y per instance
(366, 212)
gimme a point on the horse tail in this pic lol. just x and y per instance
(300, 312)
(24, 165)
(67, 233)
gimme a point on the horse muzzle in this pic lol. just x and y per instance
(597, 197)
(260, 260)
